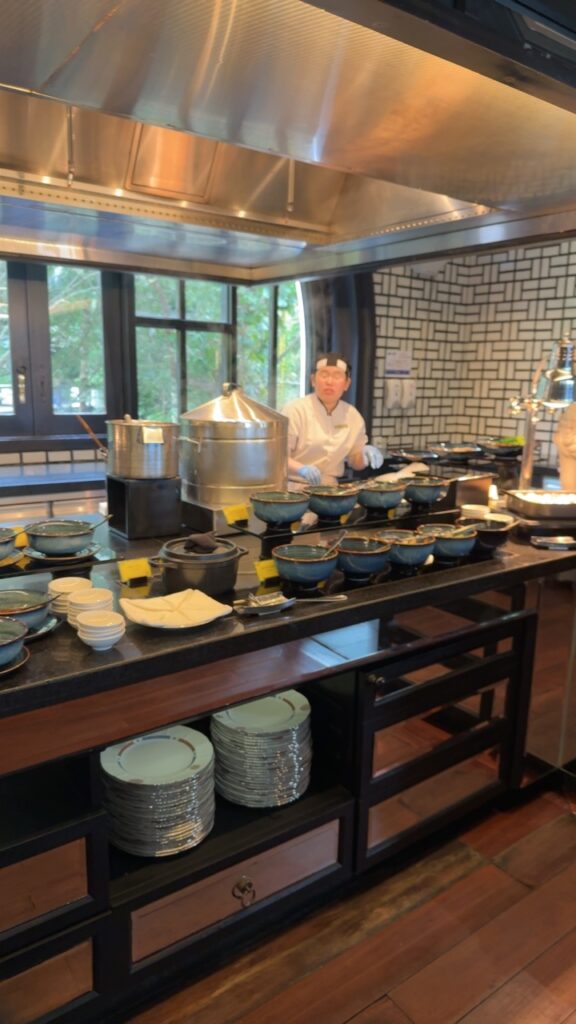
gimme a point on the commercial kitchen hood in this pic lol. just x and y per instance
(257, 140)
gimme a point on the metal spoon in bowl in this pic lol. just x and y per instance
(333, 546)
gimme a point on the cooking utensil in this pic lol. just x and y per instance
(100, 448)
(277, 598)
(142, 449)
(335, 544)
(212, 570)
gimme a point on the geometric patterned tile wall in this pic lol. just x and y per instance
(477, 328)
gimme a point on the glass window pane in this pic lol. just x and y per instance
(76, 340)
(290, 342)
(6, 391)
(206, 300)
(157, 373)
(205, 364)
(155, 295)
(253, 334)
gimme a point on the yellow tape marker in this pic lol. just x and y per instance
(266, 569)
(21, 540)
(134, 569)
(235, 514)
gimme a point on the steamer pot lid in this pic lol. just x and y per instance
(234, 414)
(181, 550)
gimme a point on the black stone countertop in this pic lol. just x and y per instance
(61, 667)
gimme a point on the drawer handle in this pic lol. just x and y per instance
(244, 890)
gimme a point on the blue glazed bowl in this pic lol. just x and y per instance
(412, 550)
(391, 535)
(492, 531)
(60, 536)
(425, 490)
(7, 541)
(332, 502)
(450, 541)
(28, 606)
(362, 556)
(303, 563)
(279, 506)
(12, 635)
(381, 494)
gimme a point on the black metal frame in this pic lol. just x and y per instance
(399, 700)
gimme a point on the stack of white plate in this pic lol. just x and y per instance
(159, 791)
(263, 750)
(60, 590)
(93, 599)
(100, 630)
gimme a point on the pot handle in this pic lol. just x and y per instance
(151, 435)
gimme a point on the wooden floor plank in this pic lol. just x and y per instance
(458, 981)
(382, 1012)
(259, 975)
(543, 993)
(543, 854)
(347, 984)
(502, 829)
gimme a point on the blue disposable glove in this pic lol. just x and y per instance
(311, 474)
(373, 456)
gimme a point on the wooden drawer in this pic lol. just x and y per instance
(43, 883)
(48, 986)
(227, 893)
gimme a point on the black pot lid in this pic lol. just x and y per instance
(199, 548)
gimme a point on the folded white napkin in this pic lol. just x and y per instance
(175, 611)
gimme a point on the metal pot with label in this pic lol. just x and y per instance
(142, 449)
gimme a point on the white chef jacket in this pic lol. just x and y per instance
(319, 438)
(565, 440)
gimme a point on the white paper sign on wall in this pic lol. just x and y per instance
(398, 363)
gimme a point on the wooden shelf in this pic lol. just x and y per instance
(43, 800)
(238, 831)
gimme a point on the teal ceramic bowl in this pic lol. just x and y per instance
(412, 550)
(7, 541)
(28, 606)
(425, 490)
(304, 564)
(450, 542)
(279, 506)
(382, 494)
(391, 535)
(12, 633)
(332, 502)
(360, 557)
(60, 536)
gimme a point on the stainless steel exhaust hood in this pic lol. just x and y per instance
(257, 140)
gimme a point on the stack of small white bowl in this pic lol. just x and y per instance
(159, 791)
(100, 629)
(263, 750)
(95, 599)
(61, 589)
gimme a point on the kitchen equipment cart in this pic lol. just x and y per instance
(87, 931)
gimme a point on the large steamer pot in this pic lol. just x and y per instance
(231, 447)
(142, 449)
(213, 572)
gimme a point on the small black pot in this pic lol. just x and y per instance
(212, 572)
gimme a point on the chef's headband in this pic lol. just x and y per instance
(333, 359)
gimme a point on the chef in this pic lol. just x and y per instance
(565, 441)
(324, 432)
